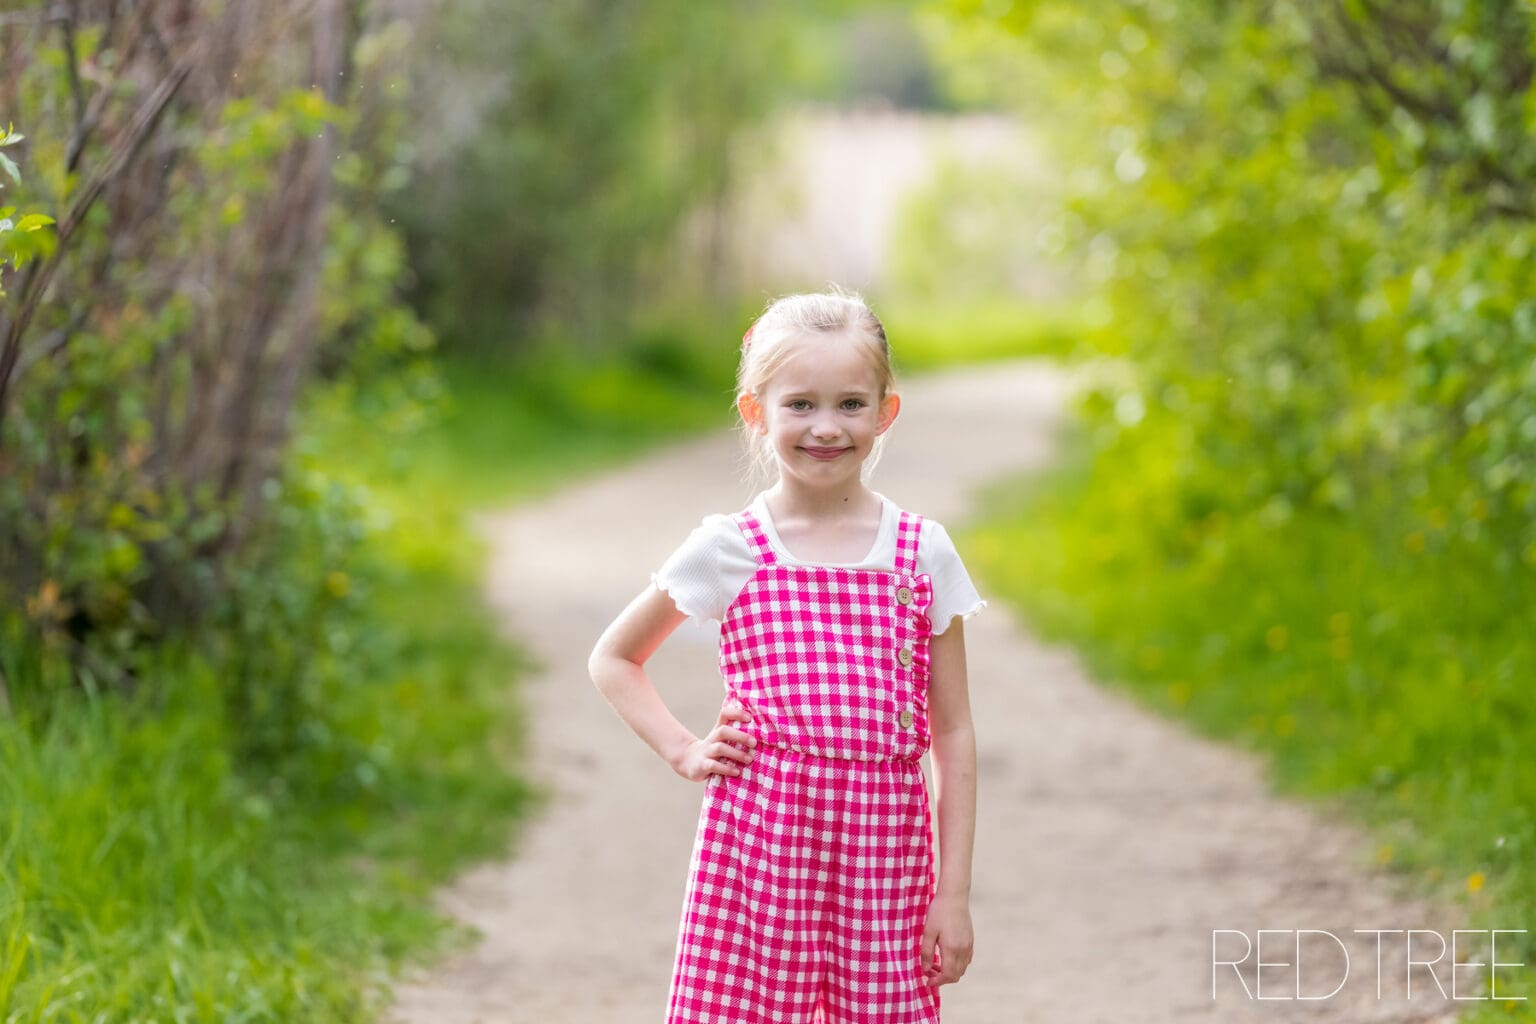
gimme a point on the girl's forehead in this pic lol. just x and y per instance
(826, 362)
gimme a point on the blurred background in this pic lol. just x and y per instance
(288, 291)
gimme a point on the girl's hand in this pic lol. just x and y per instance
(717, 753)
(949, 928)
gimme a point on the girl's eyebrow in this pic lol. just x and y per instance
(810, 392)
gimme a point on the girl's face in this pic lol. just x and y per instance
(822, 410)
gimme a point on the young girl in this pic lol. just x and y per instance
(812, 893)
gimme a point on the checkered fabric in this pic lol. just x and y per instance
(812, 870)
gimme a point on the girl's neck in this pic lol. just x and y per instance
(788, 499)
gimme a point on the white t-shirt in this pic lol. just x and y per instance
(704, 575)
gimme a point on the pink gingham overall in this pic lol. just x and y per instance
(812, 870)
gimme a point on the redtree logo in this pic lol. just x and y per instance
(1314, 963)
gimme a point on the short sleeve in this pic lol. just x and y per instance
(953, 592)
(705, 572)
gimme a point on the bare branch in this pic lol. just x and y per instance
(49, 345)
(66, 14)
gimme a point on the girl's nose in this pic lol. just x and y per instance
(825, 424)
(825, 427)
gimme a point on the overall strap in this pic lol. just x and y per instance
(908, 529)
(756, 538)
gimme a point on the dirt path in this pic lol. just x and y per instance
(1110, 842)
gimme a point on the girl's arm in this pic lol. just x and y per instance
(954, 771)
(617, 667)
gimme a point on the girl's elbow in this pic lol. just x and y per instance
(598, 663)
(608, 668)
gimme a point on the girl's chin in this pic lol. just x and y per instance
(823, 471)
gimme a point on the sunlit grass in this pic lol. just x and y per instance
(145, 876)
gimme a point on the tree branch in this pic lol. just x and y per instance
(65, 13)
(1372, 70)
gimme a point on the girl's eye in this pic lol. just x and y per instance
(853, 403)
(799, 405)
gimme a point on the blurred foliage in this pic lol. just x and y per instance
(1309, 227)
(599, 126)
(945, 333)
(1303, 510)
(505, 427)
(577, 144)
(875, 57)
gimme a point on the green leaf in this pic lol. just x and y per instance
(9, 167)
(33, 221)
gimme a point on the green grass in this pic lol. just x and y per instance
(153, 870)
(144, 878)
(149, 875)
(1379, 661)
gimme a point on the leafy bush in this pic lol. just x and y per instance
(1311, 229)
(221, 243)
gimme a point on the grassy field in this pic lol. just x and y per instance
(1385, 664)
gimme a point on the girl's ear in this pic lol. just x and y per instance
(751, 410)
(890, 405)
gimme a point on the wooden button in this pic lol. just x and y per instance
(905, 718)
(903, 595)
(904, 656)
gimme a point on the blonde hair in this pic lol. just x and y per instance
(769, 343)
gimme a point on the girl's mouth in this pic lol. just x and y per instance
(825, 454)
